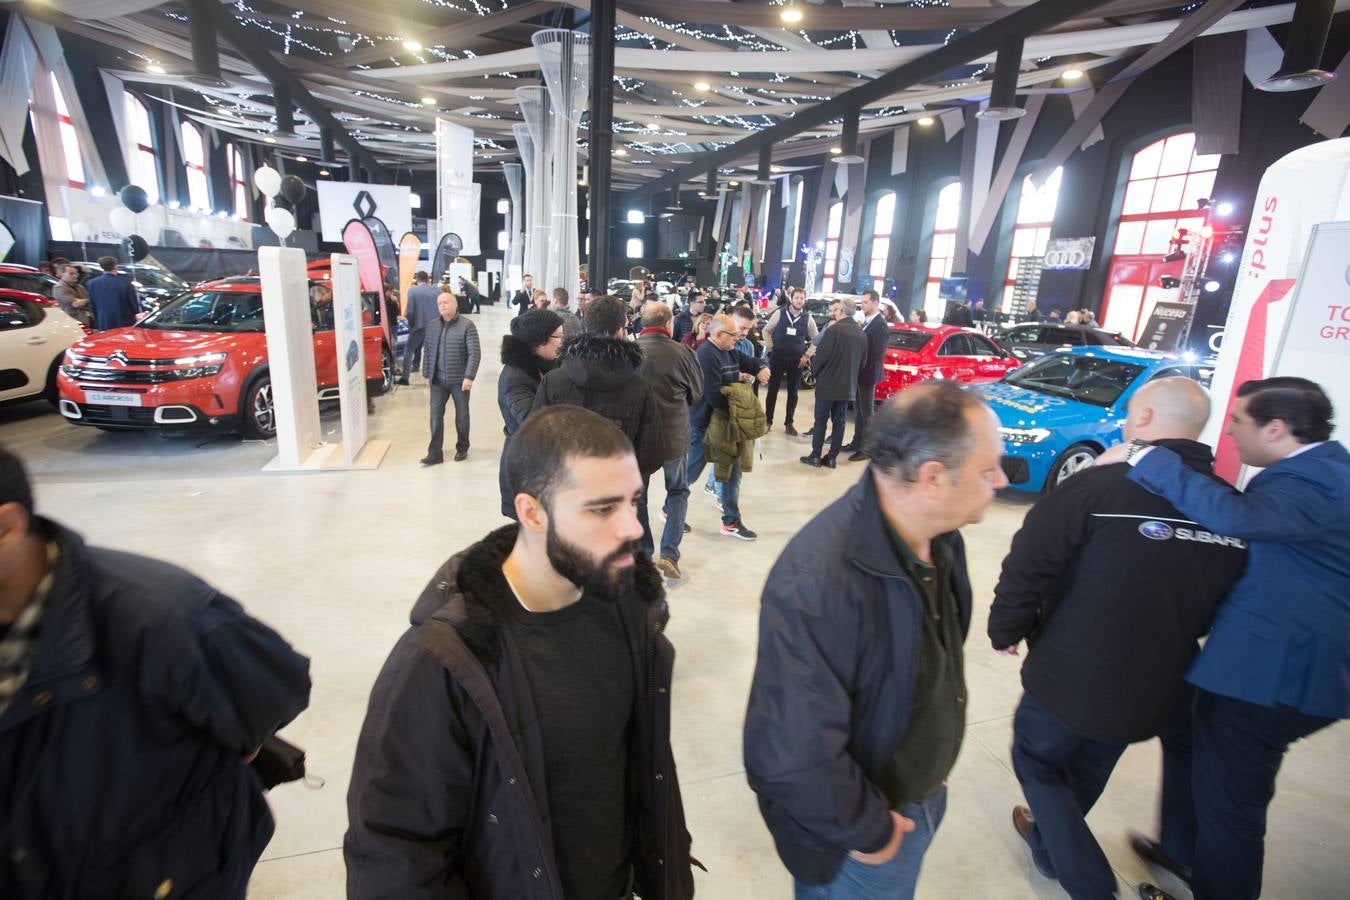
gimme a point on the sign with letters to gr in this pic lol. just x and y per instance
(1166, 324)
(1069, 253)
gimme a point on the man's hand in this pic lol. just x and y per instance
(467, 385)
(1008, 651)
(803, 362)
(763, 376)
(746, 378)
(1114, 455)
(887, 853)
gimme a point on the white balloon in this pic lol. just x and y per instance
(280, 221)
(79, 231)
(123, 220)
(267, 180)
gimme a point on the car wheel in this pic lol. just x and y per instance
(808, 381)
(1070, 463)
(258, 412)
(381, 385)
(50, 393)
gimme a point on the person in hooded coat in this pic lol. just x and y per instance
(530, 350)
(599, 372)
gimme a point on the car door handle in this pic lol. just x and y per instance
(36, 340)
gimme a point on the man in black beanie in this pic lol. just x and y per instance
(530, 350)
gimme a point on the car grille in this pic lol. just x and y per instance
(108, 375)
(131, 416)
(100, 370)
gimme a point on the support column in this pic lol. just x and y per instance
(601, 139)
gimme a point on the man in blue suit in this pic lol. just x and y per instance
(113, 297)
(1276, 667)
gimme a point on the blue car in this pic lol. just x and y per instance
(1058, 413)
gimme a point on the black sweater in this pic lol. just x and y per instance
(1111, 587)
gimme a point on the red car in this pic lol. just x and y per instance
(201, 362)
(917, 353)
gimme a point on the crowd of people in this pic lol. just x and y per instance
(517, 741)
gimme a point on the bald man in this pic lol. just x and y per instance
(1111, 587)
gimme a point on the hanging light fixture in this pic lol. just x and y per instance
(281, 94)
(762, 175)
(848, 140)
(1301, 67)
(791, 14)
(674, 204)
(1003, 95)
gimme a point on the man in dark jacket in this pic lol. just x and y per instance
(420, 309)
(836, 362)
(112, 297)
(722, 364)
(684, 322)
(524, 298)
(959, 315)
(451, 365)
(878, 333)
(857, 707)
(517, 743)
(599, 372)
(677, 384)
(787, 335)
(1100, 570)
(530, 350)
(131, 696)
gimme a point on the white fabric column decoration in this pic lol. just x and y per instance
(564, 57)
(536, 110)
(18, 62)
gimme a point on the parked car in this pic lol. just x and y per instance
(15, 277)
(916, 353)
(1035, 339)
(1059, 412)
(34, 335)
(201, 362)
(154, 286)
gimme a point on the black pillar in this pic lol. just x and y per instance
(601, 138)
(326, 152)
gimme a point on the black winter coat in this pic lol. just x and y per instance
(122, 768)
(522, 371)
(839, 628)
(448, 797)
(601, 374)
(838, 360)
(878, 334)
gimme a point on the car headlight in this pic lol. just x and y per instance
(1024, 435)
(201, 366)
(200, 360)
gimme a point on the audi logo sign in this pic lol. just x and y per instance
(1069, 253)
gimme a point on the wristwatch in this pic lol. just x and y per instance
(1136, 447)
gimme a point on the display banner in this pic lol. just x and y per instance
(409, 250)
(444, 257)
(1303, 189)
(349, 342)
(1165, 326)
(457, 206)
(342, 201)
(384, 248)
(360, 243)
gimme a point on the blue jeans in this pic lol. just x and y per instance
(676, 508)
(1062, 774)
(894, 880)
(730, 489)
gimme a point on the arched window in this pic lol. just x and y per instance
(144, 163)
(70, 141)
(1035, 215)
(798, 189)
(1166, 179)
(194, 161)
(945, 217)
(238, 182)
(883, 222)
(834, 226)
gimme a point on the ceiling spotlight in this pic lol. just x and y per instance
(428, 101)
(791, 15)
(302, 159)
(412, 46)
(733, 184)
(702, 86)
(1072, 74)
(1224, 209)
(155, 69)
(835, 151)
(324, 172)
(1301, 67)
(269, 139)
(653, 126)
(925, 121)
(619, 151)
(1211, 286)
(775, 169)
(220, 110)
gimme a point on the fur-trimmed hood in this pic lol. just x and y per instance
(521, 355)
(601, 363)
(472, 586)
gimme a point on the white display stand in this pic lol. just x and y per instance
(290, 354)
(351, 355)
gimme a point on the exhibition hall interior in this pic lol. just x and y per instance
(591, 449)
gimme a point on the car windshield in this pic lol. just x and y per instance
(158, 278)
(913, 341)
(33, 283)
(1089, 379)
(226, 311)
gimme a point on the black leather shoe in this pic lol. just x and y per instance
(1151, 852)
(461, 455)
(1150, 892)
(402, 381)
(851, 447)
(813, 461)
(828, 462)
(788, 429)
(430, 460)
(857, 456)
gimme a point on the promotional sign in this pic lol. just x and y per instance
(409, 250)
(349, 343)
(290, 353)
(1166, 324)
(1069, 253)
(1305, 188)
(384, 248)
(360, 243)
(444, 257)
(342, 201)
(458, 203)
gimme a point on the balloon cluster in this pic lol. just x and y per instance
(123, 219)
(285, 193)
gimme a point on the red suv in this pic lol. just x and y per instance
(201, 362)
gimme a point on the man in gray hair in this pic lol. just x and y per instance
(858, 704)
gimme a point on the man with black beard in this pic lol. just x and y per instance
(517, 742)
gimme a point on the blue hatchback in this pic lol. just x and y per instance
(1058, 413)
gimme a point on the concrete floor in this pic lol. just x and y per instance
(335, 561)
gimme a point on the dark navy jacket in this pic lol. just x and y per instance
(839, 632)
(878, 333)
(1283, 634)
(113, 299)
(122, 768)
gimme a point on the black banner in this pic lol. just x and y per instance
(384, 247)
(447, 251)
(1165, 327)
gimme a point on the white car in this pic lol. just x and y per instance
(34, 335)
